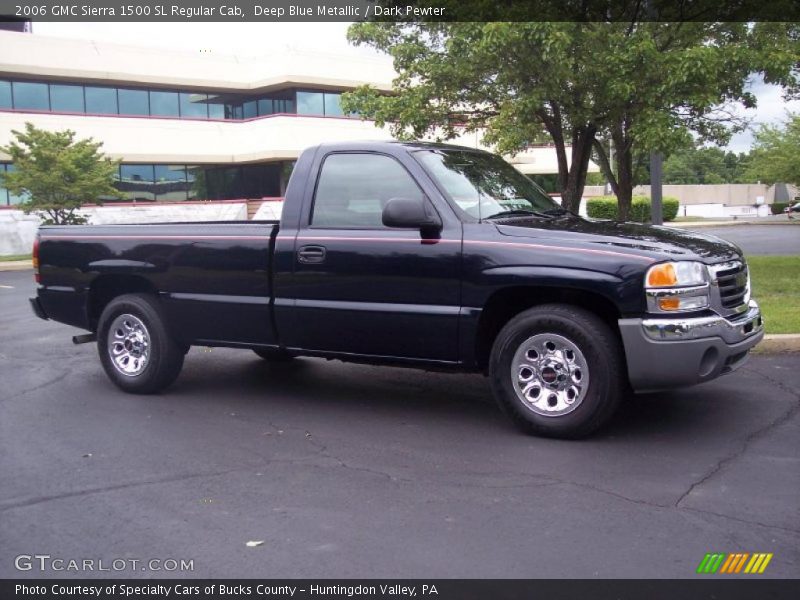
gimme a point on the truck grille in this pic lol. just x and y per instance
(732, 284)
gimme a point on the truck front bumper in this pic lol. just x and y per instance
(666, 353)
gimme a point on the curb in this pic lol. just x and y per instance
(776, 343)
(15, 265)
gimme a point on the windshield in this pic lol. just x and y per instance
(483, 185)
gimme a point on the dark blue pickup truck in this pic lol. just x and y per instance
(422, 255)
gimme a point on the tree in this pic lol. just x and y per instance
(58, 173)
(639, 85)
(706, 164)
(775, 158)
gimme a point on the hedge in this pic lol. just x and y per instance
(777, 207)
(606, 208)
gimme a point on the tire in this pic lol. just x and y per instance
(572, 357)
(273, 356)
(135, 347)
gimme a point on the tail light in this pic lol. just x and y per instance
(35, 261)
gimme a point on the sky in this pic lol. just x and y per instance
(258, 39)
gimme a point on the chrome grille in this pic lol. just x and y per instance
(731, 281)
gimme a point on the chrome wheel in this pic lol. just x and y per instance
(550, 374)
(128, 345)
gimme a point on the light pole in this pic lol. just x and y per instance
(656, 212)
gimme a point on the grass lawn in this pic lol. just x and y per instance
(11, 257)
(776, 287)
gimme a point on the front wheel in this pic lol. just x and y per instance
(135, 347)
(557, 371)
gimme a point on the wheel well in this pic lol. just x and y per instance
(505, 304)
(107, 287)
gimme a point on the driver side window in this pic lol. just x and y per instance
(353, 188)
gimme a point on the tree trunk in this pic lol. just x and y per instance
(624, 189)
(575, 177)
(621, 181)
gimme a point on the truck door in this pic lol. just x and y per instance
(362, 288)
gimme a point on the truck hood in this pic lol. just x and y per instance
(650, 240)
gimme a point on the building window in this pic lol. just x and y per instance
(67, 98)
(133, 102)
(265, 106)
(31, 96)
(101, 100)
(171, 183)
(3, 191)
(216, 107)
(194, 105)
(137, 182)
(5, 94)
(332, 106)
(106, 100)
(164, 104)
(310, 103)
(250, 109)
(8, 197)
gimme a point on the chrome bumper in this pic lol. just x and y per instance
(665, 353)
(732, 331)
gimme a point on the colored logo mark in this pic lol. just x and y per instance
(742, 562)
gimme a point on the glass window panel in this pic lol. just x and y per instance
(5, 94)
(170, 183)
(66, 98)
(216, 108)
(32, 96)
(283, 106)
(232, 184)
(265, 106)
(137, 182)
(12, 198)
(133, 102)
(233, 111)
(101, 100)
(196, 183)
(194, 105)
(354, 188)
(164, 104)
(310, 103)
(332, 106)
(3, 190)
(250, 109)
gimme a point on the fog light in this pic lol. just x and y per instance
(670, 303)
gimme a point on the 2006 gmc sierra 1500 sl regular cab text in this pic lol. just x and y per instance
(421, 255)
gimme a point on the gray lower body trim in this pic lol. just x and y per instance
(657, 364)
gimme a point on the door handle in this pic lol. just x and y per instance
(311, 255)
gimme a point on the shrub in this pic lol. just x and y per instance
(777, 207)
(606, 208)
(670, 206)
(601, 208)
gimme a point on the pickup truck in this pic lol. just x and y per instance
(423, 255)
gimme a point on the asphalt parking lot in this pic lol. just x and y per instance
(759, 239)
(357, 471)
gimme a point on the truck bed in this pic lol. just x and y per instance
(214, 277)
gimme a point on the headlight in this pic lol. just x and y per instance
(673, 274)
(677, 286)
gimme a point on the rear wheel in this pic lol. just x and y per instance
(135, 347)
(557, 371)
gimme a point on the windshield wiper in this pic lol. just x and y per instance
(518, 213)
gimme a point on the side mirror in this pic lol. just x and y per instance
(410, 213)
